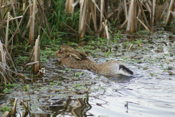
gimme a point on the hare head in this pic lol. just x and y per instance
(67, 51)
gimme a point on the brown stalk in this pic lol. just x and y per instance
(69, 27)
(25, 107)
(144, 16)
(68, 6)
(101, 13)
(36, 56)
(7, 29)
(31, 55)
(82, 26)
(45, 32)
(14, 12)
(24, 32)
(43, 16)
(29, 64)
(173, 13)
(112, 13)
(15, 18)
(22, 76)
(88, 27)
(134, 22)
(73, 5)
(6, 114)
(162, 9)
(125, 7)
(88, 17)
(106, 29)
(32, 25)
(148, 7)
(3, 63)
(3, 22)
(93, 11)
(169, 16)
(3, 57)
(152, 14)
(14, 108)
(17, 26)
(5, 79)
(123, 23)
(95, 5)
(8, 55)
(143, 25)
(131, 17)
(24, 5)
(129, 47)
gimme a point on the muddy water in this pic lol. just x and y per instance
(69, 92)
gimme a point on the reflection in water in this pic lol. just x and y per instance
(81, 109)
(72, 107)
(77, 107)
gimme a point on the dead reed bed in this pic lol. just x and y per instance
(20, 23)
(98, 15)
(5, 62)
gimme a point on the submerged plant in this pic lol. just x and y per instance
(77, 74)
(5, 108)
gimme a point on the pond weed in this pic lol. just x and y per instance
(145, 68)
(5, 108)
(152, 74)
(68, 70)
(78, 74)
(26, 88)
(8, 88)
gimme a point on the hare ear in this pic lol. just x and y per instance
(80, 54)
(73, 55)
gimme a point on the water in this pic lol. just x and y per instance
(150, 92)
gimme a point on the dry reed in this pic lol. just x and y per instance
(136, 12)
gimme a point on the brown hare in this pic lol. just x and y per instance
(78, 60)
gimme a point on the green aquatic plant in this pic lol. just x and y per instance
(145, 68)
(137, 41)
(9, 87)
(78, 85)
(124, 58)
(126, 44)
(7, 90)
(68, 70)
(59, 83)
(117, 35)
(77, 74)
(26, 88)
(21, 59)
(108, 53)
(52, 83)
(5, 108)
(152, 74)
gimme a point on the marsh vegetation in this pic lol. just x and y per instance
(139, 33)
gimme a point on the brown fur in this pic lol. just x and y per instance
(78, 60)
